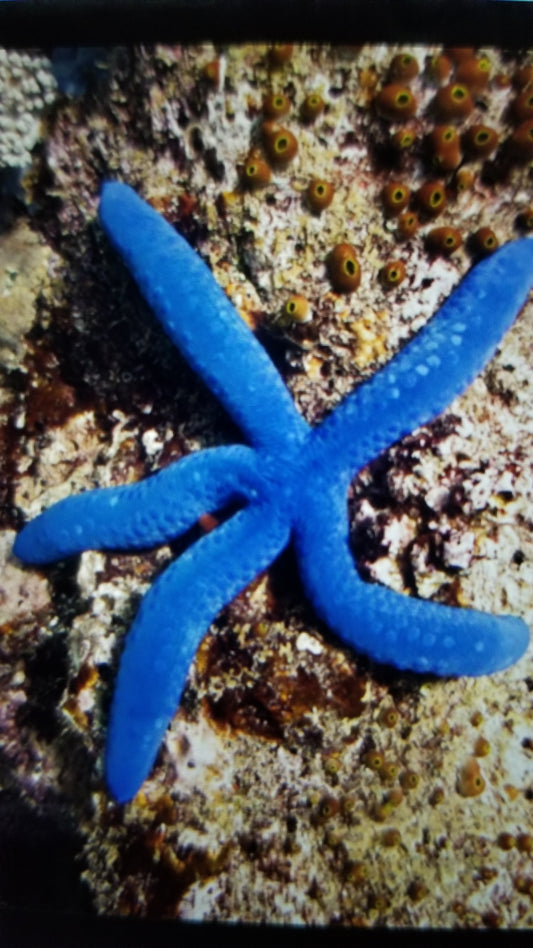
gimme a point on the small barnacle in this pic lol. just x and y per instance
(227, 201)
(404, 66)
(463, 180)
(395, 197)
(409, 780)
(343, 268)
(281, 145)
(431, 198)
(280, 53)
(380, 812)
(501, 81)
(484, 242)
(255, 173)
(327, 808)
(389, 771)
(523, 76)
(319, 194)
(521, 140)
(357, 872)
(333, 837)
(524, 842)
(482, 745)
(417, 890)
(389, 716)
(470, 781)
(436, 796)
(395, 102)
(438, 68)
(506, 841)
(474, 73)
(312, 106)
(373, 759)
(524, 884)
(276, 105)
(211, 72)
(523, 105)
(445, 147)
(444, 240)
(480, 141)
(393, 798)
(332, 764)
(403, 139)
(391, 837)
(296, 310)
(349, 806)
(378, 901)
(408, 225)
(453, 101)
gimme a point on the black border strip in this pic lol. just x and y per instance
(507, 23)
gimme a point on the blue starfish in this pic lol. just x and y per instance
(291, 482)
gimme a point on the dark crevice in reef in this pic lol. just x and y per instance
(40, 865)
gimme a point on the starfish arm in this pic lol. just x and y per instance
(140, 515)
(387, 626)
(169, 626)
(436, 366)
(200, 319)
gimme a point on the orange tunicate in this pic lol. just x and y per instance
(453, 101)
(459, 54)
(523, 76)
(343, 268)
(395, 197)
(474, 73)
(312, 106)
(319, 194)
(280, 53)
(444, 240)
(395, 102)
(280, 144)
(484, 242)
(276, 105)
(470, 781)
(211, 72)
(524, 842)
(501, 80)
(480, 141)
(404, 66)
(403, 139)
(522, 140)
(391, 837)
(409, 780)
(438, 68)
(445, 147)
(506, 841)
(392, 274)
(408, 225)
(523, 105)
(256, 173)
(463, 180)
(431, 198)
(389, 716)
(297, 309)
(373, 759)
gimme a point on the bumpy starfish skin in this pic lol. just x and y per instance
(290, 483)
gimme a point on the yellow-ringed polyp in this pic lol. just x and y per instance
(343, 268)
